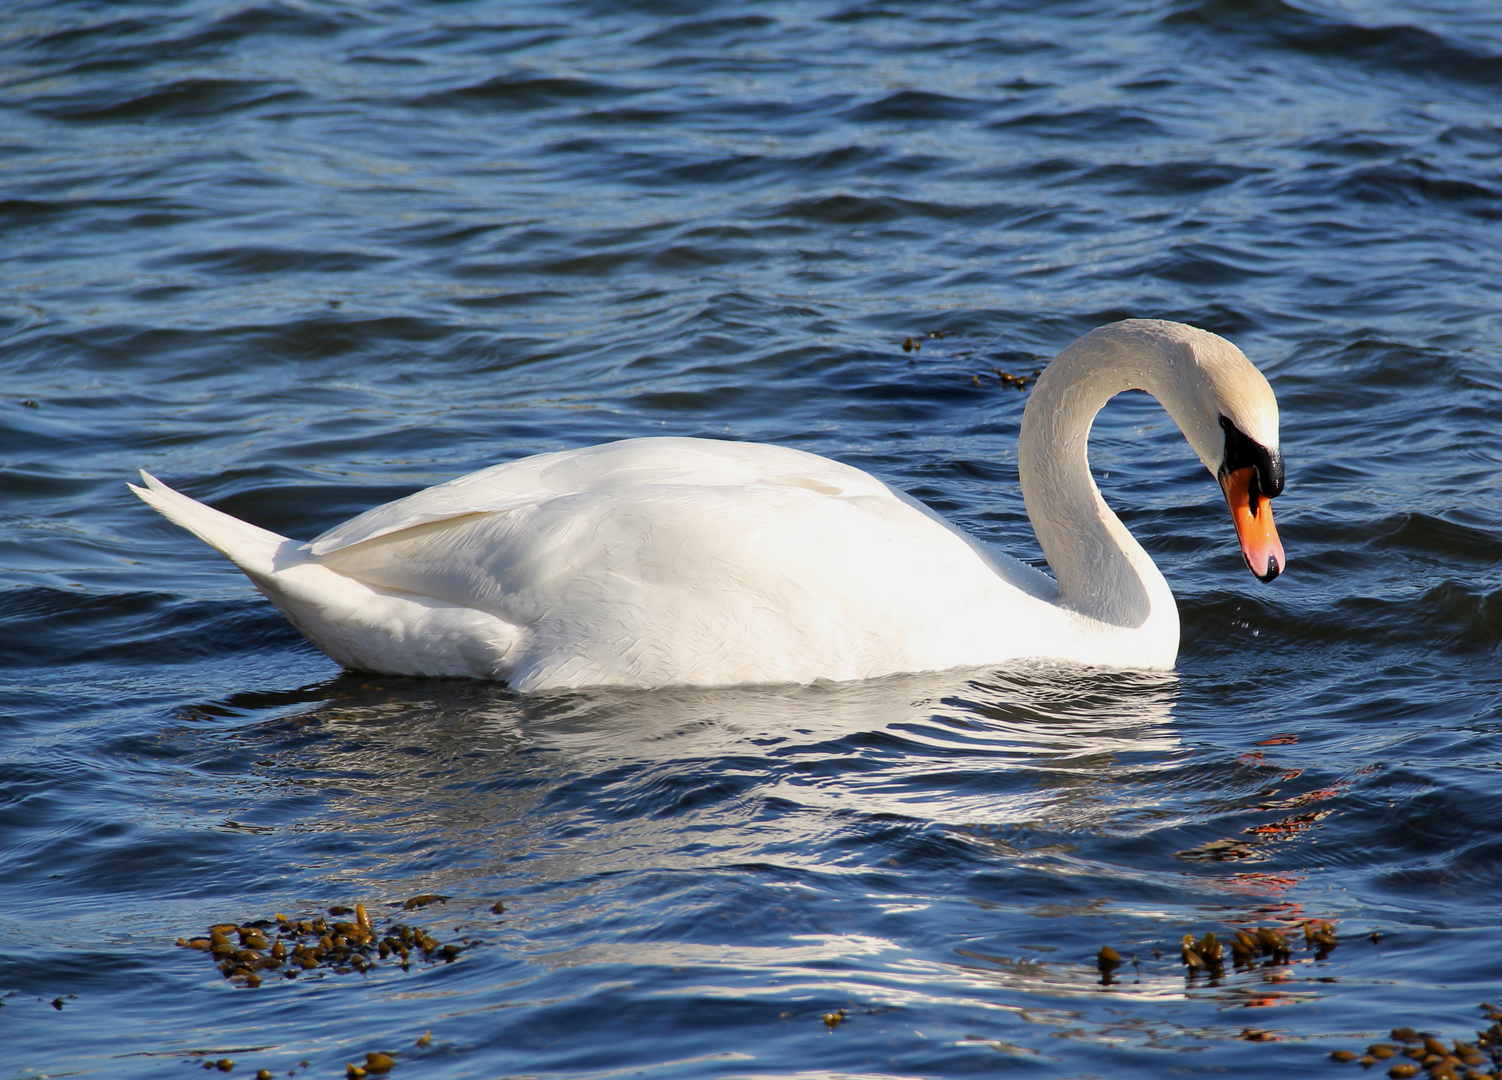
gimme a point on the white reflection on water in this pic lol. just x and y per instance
(1059, 713)
(608, 781)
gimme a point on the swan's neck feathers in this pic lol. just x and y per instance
(1103, 573)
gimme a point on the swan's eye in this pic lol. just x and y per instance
(1244, 452)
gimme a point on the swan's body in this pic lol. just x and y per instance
(666, 561)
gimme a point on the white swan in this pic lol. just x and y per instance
(656, 562)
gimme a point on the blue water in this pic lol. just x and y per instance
(300, 258)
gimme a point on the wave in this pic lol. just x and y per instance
(1092, 122)
(1279, 24)
(47, 627)
(184, 99)
(918, 105)
(257, 259)
(522, 90)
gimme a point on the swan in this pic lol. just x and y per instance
(695, 562)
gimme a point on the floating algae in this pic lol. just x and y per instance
(1479, 1060)
(1207, 955)
(245, 953)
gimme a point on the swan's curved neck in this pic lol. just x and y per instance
(1103, 573)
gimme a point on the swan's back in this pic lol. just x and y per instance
(660, 561)
(619, 466)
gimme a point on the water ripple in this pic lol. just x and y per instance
(301, 259)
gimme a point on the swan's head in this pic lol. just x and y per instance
(1234, 431)
(1219, 400)
(1251, 473)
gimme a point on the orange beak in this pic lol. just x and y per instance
(1253, 516)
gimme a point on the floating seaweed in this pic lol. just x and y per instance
(246, 953)
(376, 1063)
(1247, 947)
(423, 900)
(1479, 1060)
(1019, 382)
(914, 342)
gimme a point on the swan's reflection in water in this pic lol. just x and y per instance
(620, 780)
(1040, 711)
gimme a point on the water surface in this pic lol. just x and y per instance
(302, 258)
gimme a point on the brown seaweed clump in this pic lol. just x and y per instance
(288, 947)
(1415, 1052)
(1246, 948)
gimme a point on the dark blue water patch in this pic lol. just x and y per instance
(110, 348)
(187, 99)
(30, 479)
(87, 971)
(93, 217)
(329, 335)
(442, 232)
(1406, 181)
(1207, 265)
(798, 116)
(139, 42)
(1413, 609)
(523, 92)
(1434, 850)
(524, 299)
(1098, 122)
(1360, 145)
(122, 859)
(847, 210)
(1484, 140)
(917, 105)
(628, 117)
(595, 264)
(275, 19)
(703, 33)
(86, 40)
(130, 628)
(1431, 540)
(669, 793)
(1278, 25)
(253, 261)
(849, 161)
(33, 796)
(1169, 178)
(476, 36)
(20, 212)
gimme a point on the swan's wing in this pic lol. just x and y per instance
(494, 490)
(655, 584)
(633, 463)
(609, 479)
(669, 560)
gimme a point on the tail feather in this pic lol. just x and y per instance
(359, 626)
(254, 550)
